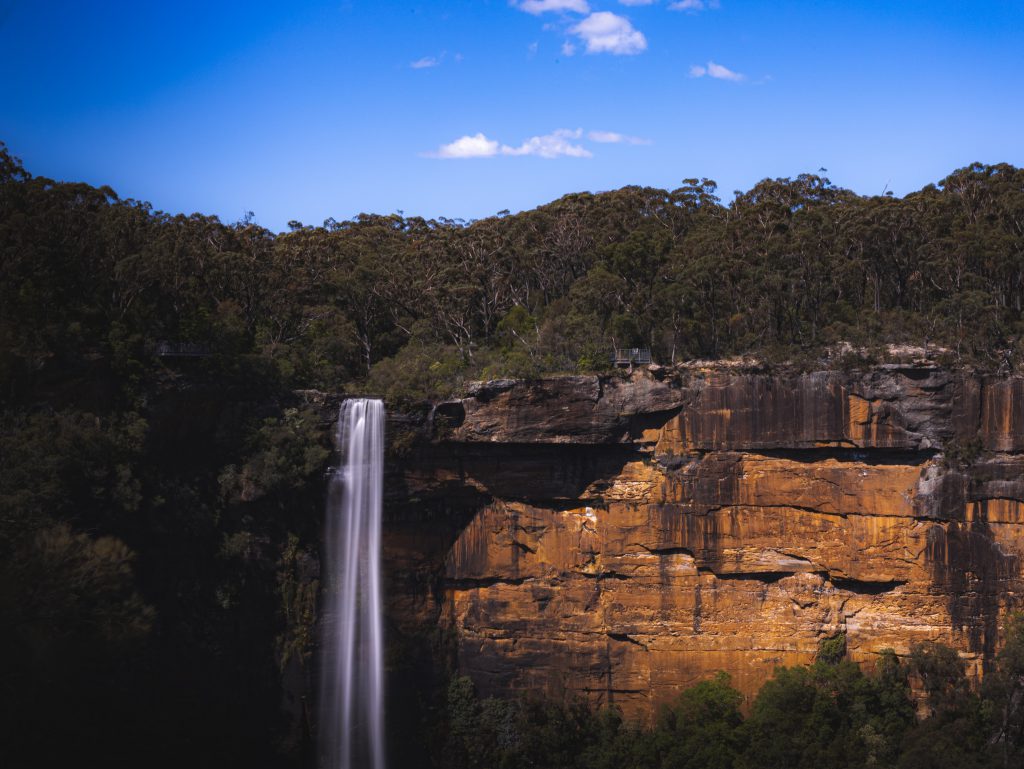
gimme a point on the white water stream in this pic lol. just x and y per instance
(352, 682)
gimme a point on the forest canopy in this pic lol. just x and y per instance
(409, 307)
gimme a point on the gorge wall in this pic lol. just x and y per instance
(621, 538)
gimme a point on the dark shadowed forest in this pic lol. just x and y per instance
(162, 479)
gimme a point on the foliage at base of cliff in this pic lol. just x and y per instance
(829, 714)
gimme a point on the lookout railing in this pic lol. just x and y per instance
(631, 356)
(182, 350)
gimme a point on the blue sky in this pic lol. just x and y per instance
(307, 110)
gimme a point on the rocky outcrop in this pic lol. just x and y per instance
(621, 538)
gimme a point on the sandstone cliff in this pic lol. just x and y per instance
(622, 538)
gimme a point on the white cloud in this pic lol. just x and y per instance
(476, 146)
(568, 49)
(605, 32)
(716, 71)
(425, 63)
(693, 6)
(723, 73)
(613, 137)
(537, 7)
(556, 144)
(552, 145)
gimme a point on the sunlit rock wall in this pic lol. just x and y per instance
(623, 538)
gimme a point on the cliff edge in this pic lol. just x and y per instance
(621, 538)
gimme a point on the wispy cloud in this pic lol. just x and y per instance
(692, 6)
(612, 137)
(425, 63)
(476, 146)
(537, 7)
(562, 143)
(606, 32)
(553, 145)
(568, 49)
(716, 71)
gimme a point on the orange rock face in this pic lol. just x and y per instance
(621, 540)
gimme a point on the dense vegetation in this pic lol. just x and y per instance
(408, 306)
(159, 517)
(830, 714)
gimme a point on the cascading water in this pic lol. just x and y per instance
(352, 683)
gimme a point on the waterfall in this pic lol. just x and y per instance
(352, 683)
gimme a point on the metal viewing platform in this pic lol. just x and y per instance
(182, 350)
(632, 356)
